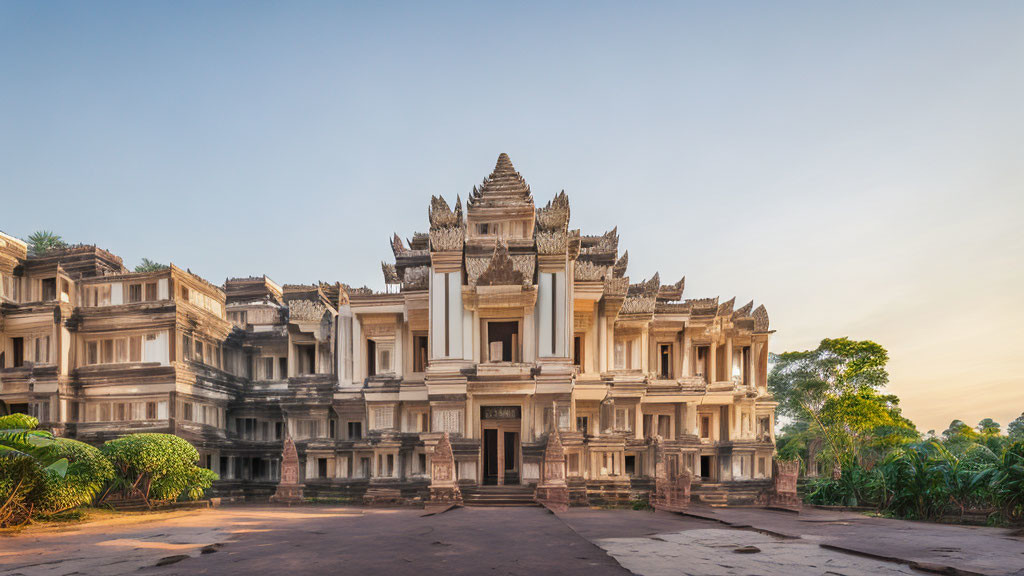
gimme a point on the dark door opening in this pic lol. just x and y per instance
(18, 352)
(666, 361)
(706, 472)
(307, 359)
(502, 341)
(511, 450)
(371, 358)
(490, 456)
(577, 351)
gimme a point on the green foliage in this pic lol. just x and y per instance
(1008, 482)
(147, 265)
(1015, 429)
(43, 475)
(832, 396)
(42, 241)
(855, 487)
(928, 481)
(988, 427)
(88, 474)
(156, 467)
(28, 462)
(804, 381)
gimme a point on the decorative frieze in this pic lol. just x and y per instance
(551, 242)
(555, 215)
(588, 271)
(447, 239)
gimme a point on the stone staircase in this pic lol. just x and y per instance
(503, 496)
(736, 493)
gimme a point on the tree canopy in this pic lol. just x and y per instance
(832, 395)
(42, 241)
(1015, 429)
(147, 265)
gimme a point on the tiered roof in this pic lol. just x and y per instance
(504, 187)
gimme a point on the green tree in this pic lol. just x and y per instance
(1015, 429)
(833, 391)
(959, 432)
(147, 265)
(42, 241)
(988, 427)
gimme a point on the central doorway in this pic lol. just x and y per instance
(500, 429)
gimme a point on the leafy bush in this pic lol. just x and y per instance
(156, 467)
(1008, 482)
(88, 474)
(929, 481)
(27, 463)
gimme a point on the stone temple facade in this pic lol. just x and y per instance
(500, 327)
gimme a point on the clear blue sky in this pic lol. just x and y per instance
(858, 167)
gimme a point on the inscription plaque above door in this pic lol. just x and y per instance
(500, 412)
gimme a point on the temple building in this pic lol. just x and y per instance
(499, 328)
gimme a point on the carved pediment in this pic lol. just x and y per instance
(743, 311)
(500, 270)
(760, 319)
(725, 308)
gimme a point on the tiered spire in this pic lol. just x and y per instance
(503, 187)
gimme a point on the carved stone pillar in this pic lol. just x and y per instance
(443, 487)
(671, 485)
(289, 490)
(552, 491)
(782, 493)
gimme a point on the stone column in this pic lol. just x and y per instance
(399, 360)
(602, 346)
(357, 351)
(712, 373)
(691, 418)
(686, 352)
(753, 365)
(728, 358)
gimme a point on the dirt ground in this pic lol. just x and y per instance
(527, 541)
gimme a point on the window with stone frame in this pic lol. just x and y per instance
(383, 417)
(447, 420)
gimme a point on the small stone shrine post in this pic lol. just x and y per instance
(443, 487)
(671, 486)
(553, 492)
(782, 493)
(289, 490)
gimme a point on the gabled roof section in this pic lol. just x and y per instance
(252, 289)
(504, 187)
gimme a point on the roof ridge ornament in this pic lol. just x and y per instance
(725, 308)
(619, 269)
(760, 319)
(743, 311)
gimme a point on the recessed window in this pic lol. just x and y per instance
(503, 341)
(49, 287)
(665, 357)
(419, 351)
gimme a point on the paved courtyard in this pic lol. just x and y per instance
(529, 541)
